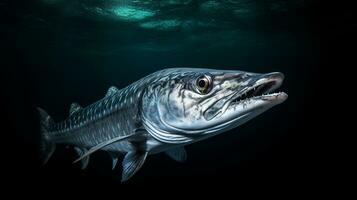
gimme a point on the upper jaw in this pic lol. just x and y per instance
(260, 87)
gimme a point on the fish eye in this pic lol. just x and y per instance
(203, 84)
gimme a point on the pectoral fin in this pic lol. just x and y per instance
(179, 154)
(132, 162)
(104, 144)
(80, 152)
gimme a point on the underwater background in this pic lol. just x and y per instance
(56, 52)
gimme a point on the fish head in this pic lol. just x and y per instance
(183, 105)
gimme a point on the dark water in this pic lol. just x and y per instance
(59, 52)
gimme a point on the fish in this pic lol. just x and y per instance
(162, 112)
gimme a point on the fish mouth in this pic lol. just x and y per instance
(256, 94)
(261, 90)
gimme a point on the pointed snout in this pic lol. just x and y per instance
(274, 76)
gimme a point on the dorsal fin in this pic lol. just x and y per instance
(112, 90)
(74, 108)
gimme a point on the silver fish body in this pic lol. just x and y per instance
(162, 112)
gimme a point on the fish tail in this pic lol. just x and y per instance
(47, 147)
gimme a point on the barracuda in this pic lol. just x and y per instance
(162, 112)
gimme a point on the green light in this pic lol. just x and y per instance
(131, 13)
(162, 24)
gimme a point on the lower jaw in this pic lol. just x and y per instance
(255, 105)
(277, 97)
(249, 112)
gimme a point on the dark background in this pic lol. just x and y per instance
(53, 54)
